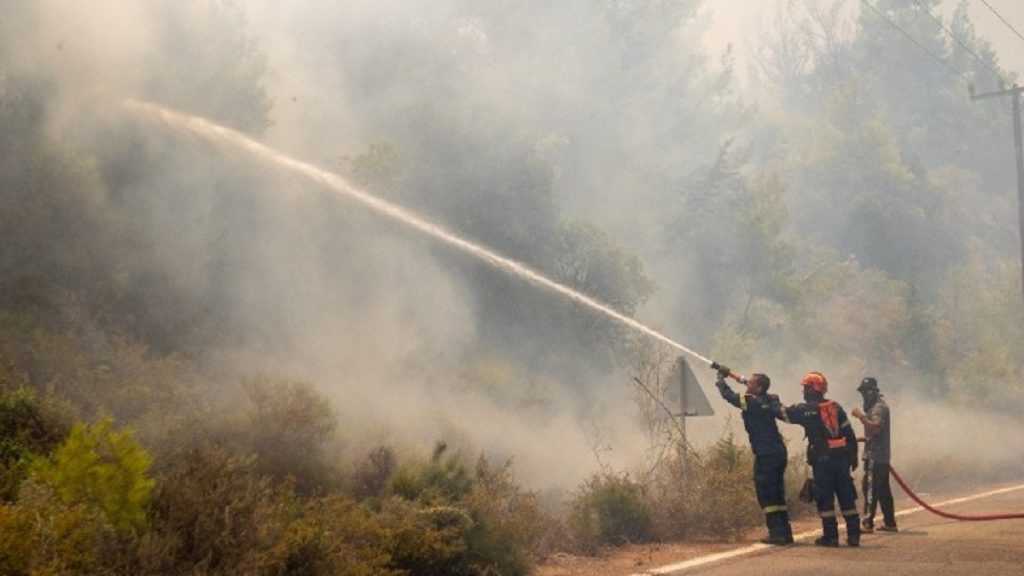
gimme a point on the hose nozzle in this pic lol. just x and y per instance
(725, 371)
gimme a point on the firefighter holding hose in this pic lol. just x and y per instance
(875, 486)
(759, 411)
(832, 454)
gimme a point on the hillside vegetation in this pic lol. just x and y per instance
(208, 366)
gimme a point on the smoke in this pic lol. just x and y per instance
(505, 122)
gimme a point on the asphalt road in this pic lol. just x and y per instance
(926, 544)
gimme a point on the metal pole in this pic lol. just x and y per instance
(1020, 174)
(682, 410)
(1014, 93)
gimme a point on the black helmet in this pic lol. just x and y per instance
(867, 384)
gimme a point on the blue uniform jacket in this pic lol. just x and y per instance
(822, 443)
(759, 413)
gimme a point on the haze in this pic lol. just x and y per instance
(855, 214)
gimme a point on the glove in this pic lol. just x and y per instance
(723, 372)
(720, 382)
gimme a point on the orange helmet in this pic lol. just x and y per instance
(815, 380)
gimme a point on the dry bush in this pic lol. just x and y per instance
(370, 476)
(425, 540)
(609, 509)
(328, 535)
(216, 514)
(208, 512)
(290, 427)
(710, 495)
(41, 534)
(507, 521)
(445, 519)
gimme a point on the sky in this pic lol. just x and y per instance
(736, 23)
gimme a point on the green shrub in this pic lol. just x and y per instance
(27, 427)
(438, 481)
(103, 469)
(609, 509)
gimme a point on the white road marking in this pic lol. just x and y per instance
(711, 558)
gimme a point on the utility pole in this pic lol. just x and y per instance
(1014, 93)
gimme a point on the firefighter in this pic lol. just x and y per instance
(875, 485)
(759, 411)
(832, 454)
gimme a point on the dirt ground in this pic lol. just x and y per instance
(635, 558)
(628, 559)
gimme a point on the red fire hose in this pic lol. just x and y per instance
(949, 515)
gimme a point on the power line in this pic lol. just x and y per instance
(911, 38)
(1000, 16)
(906, 34)
(953, 36)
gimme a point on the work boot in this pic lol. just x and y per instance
(775, 541)
(787, 528)
(852, 529)
(867, 526)
(776, 529)
(887, 528)
(830, 529)
(827, 542)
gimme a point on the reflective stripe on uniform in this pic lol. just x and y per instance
(836, 442)
(776, 508)
(827, 514)
(850, 512)
(743, 402)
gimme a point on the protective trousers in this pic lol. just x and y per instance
(769, 484)
(877, 491)
(832, 481)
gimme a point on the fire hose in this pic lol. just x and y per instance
(892, 472)
(950, 515)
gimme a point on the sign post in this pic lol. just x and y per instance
(692, 401)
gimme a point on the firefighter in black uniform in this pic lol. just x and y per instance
(760, 410)
(832, 454)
